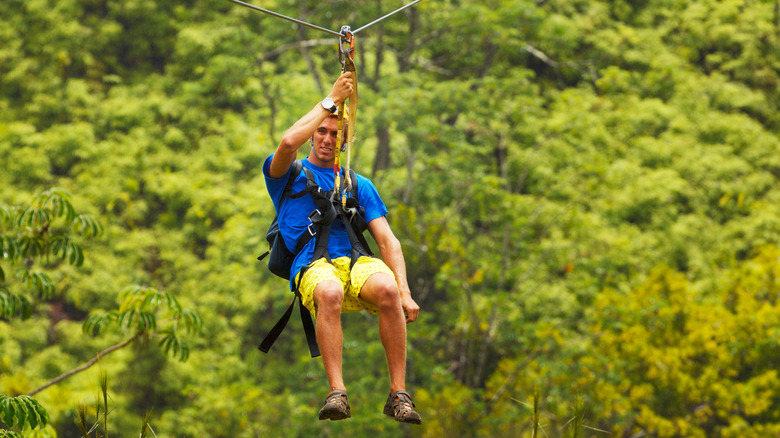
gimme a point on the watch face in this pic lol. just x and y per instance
(329, 104)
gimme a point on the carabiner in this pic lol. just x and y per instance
(346, 46)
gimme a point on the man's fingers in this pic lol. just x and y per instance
(411, 316)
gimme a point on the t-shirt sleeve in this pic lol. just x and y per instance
(369, 198)
(275, 186)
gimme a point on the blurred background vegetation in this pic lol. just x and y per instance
(586, 192)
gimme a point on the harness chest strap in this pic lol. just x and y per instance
(327, 211)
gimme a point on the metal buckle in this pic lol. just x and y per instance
(315, 213)
(352, 211)
(311, 230)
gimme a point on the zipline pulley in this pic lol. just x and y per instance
(346, 46)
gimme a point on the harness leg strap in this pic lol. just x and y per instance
(308, 328)
(271, 337)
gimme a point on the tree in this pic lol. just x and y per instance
(36, 239)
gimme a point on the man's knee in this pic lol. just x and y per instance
(328, 297)
(384, 289)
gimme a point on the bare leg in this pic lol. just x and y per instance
(380, 289)
(328, 296)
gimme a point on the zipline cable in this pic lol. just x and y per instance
(303, 23)
(284, 17)
(382, 18)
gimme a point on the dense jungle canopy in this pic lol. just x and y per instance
(586, 192)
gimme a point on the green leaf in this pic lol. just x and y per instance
(33, 217)
(148, 321)
(43, 414)
(95, 324)
(33, 417)
(151, 301)
(87, 225)
(9, 248)
(8, 412)
(171, 344)
(5, 305)
(76, 255)
(6, 216)
(41, 282)
(58, 201)
(185, 352)
(192, 321)
(12, 304)
(30, 247)
(59, 245)
(127, 318)
(21, 410)
(173, 303)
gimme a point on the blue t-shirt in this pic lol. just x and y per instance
(294, 220)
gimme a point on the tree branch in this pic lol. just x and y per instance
(105, 352)
(539, 54)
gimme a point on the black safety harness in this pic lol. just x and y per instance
(329, 207)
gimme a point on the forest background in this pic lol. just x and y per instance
(586, 192)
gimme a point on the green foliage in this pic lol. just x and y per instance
(22, 411)
(14, 304)
(695, 361)
(48, 227)
(545, 164)
(137, 314)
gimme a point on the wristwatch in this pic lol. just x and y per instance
(329, 105)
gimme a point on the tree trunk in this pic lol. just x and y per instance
(305, 52)
(382, 159)
(404, 61)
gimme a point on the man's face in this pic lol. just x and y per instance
(324, 142)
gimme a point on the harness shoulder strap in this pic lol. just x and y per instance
(274, 227)
(296, 170)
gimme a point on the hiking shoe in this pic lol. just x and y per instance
(401, 407)
(336, 406)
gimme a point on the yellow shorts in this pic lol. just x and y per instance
(351, 281)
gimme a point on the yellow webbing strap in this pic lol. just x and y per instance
(349, 65)
(337, 164)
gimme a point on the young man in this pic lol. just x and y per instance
(328, 289)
